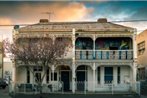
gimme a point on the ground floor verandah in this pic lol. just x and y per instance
(81, 78)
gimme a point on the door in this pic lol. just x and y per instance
(80, 80)
(65, 79)
(108, 74)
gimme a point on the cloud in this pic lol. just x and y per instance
(5, 21)
(30, 12)
(73, 11)
(141, 13)
(5, 32)
(140, 26)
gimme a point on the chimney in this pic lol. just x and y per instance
(16, 27)
(43, 21)
(102, 20)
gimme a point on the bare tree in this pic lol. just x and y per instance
(39, 52)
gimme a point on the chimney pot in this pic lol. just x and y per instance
(102, 20)
(43, 21)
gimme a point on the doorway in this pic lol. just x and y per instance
(65, 80)
(81, 77)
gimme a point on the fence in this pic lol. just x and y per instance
(108, 88)
(34, 88)
(80, 86)
(143, 87)
(138, 88)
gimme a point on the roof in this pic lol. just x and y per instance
(79, 26)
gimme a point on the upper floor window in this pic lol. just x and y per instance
(84, 43)
(113, 43)
(141, 47)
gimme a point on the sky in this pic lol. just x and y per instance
(29, 12)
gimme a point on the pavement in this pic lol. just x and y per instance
(142, 96)
(77, 96)
(4, 93)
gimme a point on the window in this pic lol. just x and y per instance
(28, 76)
(98, 75)
(37, 76)
(141, 73)
(55, 76)
(118, 75)
(108, 74)
(141, 48)
(38, 68)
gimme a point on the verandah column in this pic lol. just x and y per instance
(52, 76)
(14, 75)
(73, 78)
(93, 68)
(134, 56)
(115, 75)
(102, 75)
(134, 65)
(73, 60)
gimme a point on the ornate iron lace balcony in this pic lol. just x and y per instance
(104, 54)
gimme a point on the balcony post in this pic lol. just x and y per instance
(73, 60)
(134, 56)
(94, 38)
(134, 46)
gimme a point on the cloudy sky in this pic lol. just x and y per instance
(30, 12)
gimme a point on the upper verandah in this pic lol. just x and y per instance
(101, 25)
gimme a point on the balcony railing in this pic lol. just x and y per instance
(104, 54)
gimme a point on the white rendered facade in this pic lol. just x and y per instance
(94, 63)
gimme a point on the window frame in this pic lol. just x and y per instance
(141, 48)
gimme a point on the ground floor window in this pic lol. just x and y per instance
(37, 77)
(28, 76)
(47, 76)
(141, 73)
(98, 75)
(118, 75)
(55, 76)
(108, 74)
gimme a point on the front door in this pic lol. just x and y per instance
(80, 80)
(65, 79)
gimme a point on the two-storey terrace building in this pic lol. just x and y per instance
(103, 54)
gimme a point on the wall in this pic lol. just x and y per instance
(90, 79)
(126, 74)
(7, 69)
(21, 75)
(141, 59)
